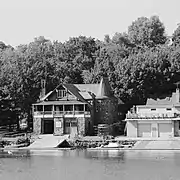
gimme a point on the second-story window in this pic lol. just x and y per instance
(168, 109)
(154, 109)
(61, 93)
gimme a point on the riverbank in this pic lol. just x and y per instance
(50, 142)
(59, 142)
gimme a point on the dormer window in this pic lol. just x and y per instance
(61, 93)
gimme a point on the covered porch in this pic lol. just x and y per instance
(60, 108)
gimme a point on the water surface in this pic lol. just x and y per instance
(90, 165)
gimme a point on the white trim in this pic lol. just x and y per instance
(154, 119)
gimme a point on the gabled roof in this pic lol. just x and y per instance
(101, 90)
(43, 98)
(84, 92)
(93, 88)
(74, 90)
(85, 95)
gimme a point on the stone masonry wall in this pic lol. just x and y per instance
(88, 126)
(37, 125)
(107, 111)
(81, 126)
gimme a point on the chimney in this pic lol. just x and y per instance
(43, 88)
(177, 95)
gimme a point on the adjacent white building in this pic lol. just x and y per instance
(158, 118)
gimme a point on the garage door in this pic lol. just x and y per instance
(144, 130)
(165, 130)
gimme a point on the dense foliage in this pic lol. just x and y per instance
(139, 64)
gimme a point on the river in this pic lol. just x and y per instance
(90, 165)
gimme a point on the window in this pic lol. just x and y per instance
(61, 93)
(153, 109)
(68, 109)
(79, 107)
(39, 108)
(168, 109)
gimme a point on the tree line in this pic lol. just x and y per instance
(140, 63)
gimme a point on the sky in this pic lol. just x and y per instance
(23, 20)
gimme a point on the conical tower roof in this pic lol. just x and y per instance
(104, 88)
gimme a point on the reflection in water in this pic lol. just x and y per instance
(105, 154)
(14, 153)
(88, 165)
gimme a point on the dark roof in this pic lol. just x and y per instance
(84, 92)
(93, 88)
(85, 95)
(100, 90)
(74, 90)
(48, 94)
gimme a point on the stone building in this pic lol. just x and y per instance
(74, 109)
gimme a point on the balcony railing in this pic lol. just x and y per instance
(57, 113)
(79, 112)
(151, 115)
(38, 113)
(48, 112)
(68, 112)
(87, 113)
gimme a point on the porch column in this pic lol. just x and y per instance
(84, 107)
(33, 109)
(63, 109)
(173, 133)
(53, 109)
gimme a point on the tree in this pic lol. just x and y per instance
(147, 32)
(107, 39)
(176, 37)
(2, 45)
(122, 39)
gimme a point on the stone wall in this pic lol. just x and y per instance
(88, 126)
(37, 125)
(81, 126)
(107, 111)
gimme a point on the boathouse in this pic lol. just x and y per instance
(158, 118)
(75, 109)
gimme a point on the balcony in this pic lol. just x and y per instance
(60, 113)
(130, 115)
(38, 113)
(60, 110)
(48, 112)
(79, 112)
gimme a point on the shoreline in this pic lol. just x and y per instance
(90, 149)
(94, 143)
